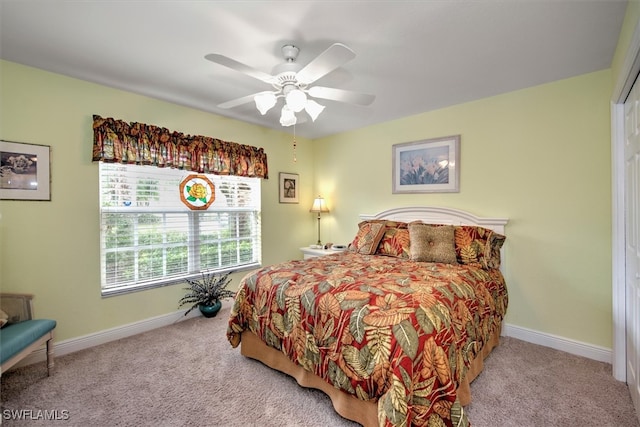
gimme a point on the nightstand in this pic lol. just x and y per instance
(313, 252)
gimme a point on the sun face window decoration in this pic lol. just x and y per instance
(427, 166)
(197, 192)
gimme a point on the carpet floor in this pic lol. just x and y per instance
(187, 374)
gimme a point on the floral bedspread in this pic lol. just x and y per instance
(398, 332)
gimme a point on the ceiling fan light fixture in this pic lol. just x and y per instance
(294, 83)
(287, 117)
(265, 101)
(296, 100)
(313, 109)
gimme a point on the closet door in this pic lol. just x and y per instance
(632, 240)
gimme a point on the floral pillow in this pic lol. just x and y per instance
(368, 237)
(395, 241)
(478, 246)
(492, 254)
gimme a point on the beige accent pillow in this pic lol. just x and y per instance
(431, 243)
(4, 318)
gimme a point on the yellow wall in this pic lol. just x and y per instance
(539, 157)
(51, 248)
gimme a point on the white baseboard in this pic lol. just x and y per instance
(578, 348)
(72, 345)
(87, 341)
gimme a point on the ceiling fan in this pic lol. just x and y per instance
(293, 82)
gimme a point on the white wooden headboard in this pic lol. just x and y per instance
(438, 215)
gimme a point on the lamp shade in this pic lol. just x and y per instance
(313, 109)
(265, 101)
(287, 117)
(319, 205)
(296, 100)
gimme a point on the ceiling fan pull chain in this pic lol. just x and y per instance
(294, 144)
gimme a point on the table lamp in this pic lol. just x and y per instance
(319, 206)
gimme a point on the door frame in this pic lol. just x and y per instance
(623, 83)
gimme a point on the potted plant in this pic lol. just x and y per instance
(207, 293)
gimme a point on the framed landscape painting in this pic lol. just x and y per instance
(24, 171)
(427, 166)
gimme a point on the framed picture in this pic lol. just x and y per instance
(289, 187)
(24, 171)
(427, 166)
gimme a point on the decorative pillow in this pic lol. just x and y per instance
(478, 246)
(4, 318)
(368, 237)
(432, 243)
(492, 256)
(395, 241)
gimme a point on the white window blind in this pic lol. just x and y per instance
(149, 237)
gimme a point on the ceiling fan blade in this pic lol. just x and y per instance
(239, 66)
(341, 95)
(336, 55)
(240, 101)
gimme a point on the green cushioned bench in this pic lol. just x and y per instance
(23, 334)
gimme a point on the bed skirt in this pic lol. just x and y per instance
(350, 407)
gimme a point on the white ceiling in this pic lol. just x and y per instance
(415, 56)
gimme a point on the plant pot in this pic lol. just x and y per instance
(210, 310)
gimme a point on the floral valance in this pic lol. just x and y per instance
(137, 143)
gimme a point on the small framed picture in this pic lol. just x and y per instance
(289, 187)
(24, 171)
(427, 166)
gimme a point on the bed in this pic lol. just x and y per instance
(393, 329)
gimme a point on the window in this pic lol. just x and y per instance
(149, 238)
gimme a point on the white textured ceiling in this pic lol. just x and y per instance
(415, 56)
